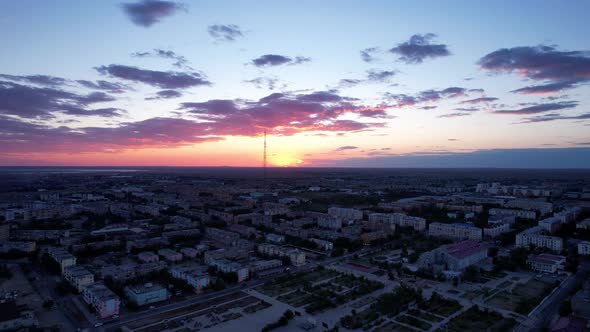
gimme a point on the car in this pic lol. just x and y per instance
(99, 324)
(152, 307)
(115, 316)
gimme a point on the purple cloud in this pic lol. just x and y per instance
(367, 55)
(419, 48)
(161, 79)
(380, 75)
(540, 108)
(165, 94)
(45, 80)
(478, 100)
(284, 114)
(561, 69)
(111, 87)
(264, 82)
(547, 88)
(179, 60)
(148, 12)
(225, 32)
(269, 60)
(453, 115)
(346, 147)
(35, 102)
(555, 117)
(426, 96)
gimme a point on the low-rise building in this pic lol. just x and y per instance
(146, 294)
(345, 213)
(454, 257)
(78, 276)
(275, 238)
(524, 214)
(584, 248)
(296, 257)
(189, 252)
(493, 230)
(104, 301)
(194, 275)
(546, 263)
(148, 257)
(551, 224)
(533, 236)
(62, 257)
(170, 255)
(459, 231)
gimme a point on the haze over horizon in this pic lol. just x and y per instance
(334, 84)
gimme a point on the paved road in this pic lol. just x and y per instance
(131, 317)
(542, 315)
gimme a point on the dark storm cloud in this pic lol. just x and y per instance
(148, 12)
(269, 60)
(419, 48)
(161, 79)
(560, 69)
(225, 32)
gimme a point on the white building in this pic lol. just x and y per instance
(399, 219)
(546, 263)
(458, 231)
(584, 248)
(494, 230)
(454, 257)
(346, 213)
(525, 214)
(551, 224)
(533, 236)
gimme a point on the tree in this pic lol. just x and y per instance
(565, 309)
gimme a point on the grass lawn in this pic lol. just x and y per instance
(524, 297)
(257, 307)
(424, 315)
(440, 306)
(413, 321)
(393, 327)
(476, 320)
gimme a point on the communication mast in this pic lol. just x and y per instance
(264, 159)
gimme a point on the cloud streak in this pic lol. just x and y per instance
(161, 79)
(225, 32)
(271, 60)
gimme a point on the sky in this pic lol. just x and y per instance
(332, 83)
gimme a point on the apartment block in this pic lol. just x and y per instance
(459, 231)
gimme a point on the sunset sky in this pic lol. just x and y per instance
(333, 83)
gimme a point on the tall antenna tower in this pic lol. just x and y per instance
(264, 159)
